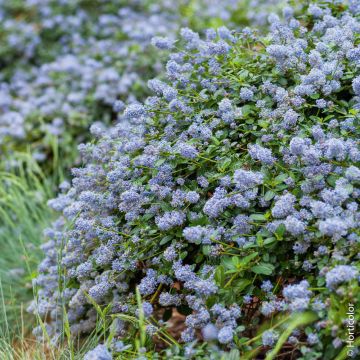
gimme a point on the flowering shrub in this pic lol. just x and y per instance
(79, 62)
(230, 196)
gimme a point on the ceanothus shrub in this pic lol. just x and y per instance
(230, 195)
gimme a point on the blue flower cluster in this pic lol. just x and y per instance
(231, 194)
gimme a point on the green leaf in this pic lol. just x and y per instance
(259, 240)
(243, 340)
(199, 221)
(240, 328)
(280, 231)
(241, 284)
(248, 258)
(280, 178)
(269, 195)
(243, 74)
(269, 240)
(215, 140)
(224, 164)
(160, 162)
(206, 249)
(199, 258)
(249, 246)
(165, 239)
(353, 111)
(234, 354)
(147, 217)
(227, 263)
(219, 93)
(245, 110)
(263, 268)
(258, 217)
(264, 124)
(235, 260)
(331, 180)
(220, 275)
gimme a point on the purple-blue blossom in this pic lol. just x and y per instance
(100, 352)
(225, 335)
(162, 42)
(340, 274)
(269, 337)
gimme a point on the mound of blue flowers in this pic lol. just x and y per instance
(229, 198)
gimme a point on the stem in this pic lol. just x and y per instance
(260, 335)
(156, 293)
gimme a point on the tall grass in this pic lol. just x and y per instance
(24, 191)
(30, 349)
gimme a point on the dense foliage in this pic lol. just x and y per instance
(229, 196)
